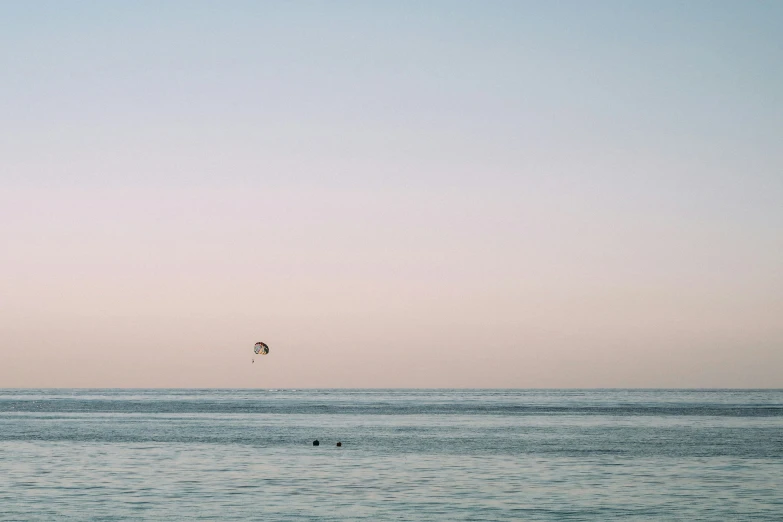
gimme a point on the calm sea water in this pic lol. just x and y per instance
(406, 454)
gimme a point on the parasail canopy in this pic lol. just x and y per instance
(261, 348)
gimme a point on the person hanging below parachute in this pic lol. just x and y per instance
(260, 349)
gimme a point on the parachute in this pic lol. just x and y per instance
(261, 348)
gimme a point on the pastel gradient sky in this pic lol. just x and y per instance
(391, 194)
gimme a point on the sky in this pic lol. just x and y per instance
(391, 194)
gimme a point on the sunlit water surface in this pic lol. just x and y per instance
(406, 454)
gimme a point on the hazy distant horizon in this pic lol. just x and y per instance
(257, 388)
(391, 195)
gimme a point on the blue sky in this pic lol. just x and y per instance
(549, 179)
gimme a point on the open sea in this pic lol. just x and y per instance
(405, 455)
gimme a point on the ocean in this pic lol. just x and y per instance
(406, 454)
